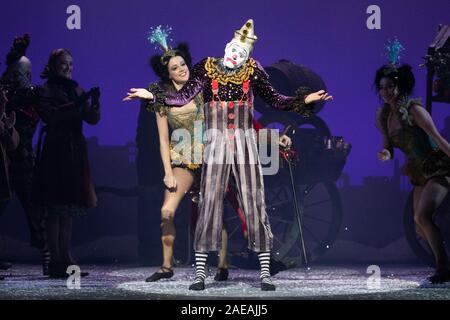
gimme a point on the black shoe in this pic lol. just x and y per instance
(5, 265)
(198, 285)
(221, 275)
(165, 274)
(57, 271)
(440, 276)
(46, 268)
(267, 286)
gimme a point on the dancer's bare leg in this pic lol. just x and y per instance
(171, 202)
(431, 197)
(416, 197)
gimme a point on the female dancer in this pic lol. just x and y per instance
(406, 125)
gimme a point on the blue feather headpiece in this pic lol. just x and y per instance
(160, 35)
(393, 50)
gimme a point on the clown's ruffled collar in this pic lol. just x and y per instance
(216, 70)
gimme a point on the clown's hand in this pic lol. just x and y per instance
(285, 141)
(317, 96)
(384, 155)
(140, 93)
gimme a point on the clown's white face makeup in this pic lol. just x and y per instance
(235, 55)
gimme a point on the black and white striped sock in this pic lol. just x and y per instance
(200, 266)
(264, 261)
(45, 254)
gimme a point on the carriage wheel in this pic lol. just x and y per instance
(321, 210)
(418, 244)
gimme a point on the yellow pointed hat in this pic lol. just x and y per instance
(246, 35)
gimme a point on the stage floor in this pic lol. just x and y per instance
(320, 282)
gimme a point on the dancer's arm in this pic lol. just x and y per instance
(387, 153)
(423, 119)
(164, 149)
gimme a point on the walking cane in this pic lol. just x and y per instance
(289, 156)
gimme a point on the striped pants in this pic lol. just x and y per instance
(221, 161)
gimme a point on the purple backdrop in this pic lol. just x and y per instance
(327, 36)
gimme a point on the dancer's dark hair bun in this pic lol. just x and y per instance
(402, 76)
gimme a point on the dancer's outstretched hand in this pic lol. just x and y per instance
(140, 93)
(320, 95)
(384, 155)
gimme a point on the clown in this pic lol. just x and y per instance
(229, 85)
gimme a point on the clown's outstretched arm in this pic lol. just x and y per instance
(302, 103)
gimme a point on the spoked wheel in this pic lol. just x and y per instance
(416, 242)
(321, 212)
